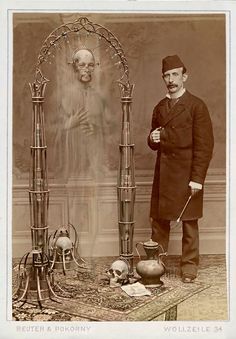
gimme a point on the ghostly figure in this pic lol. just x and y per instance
(83, 112)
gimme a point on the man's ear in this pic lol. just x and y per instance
(185, 77)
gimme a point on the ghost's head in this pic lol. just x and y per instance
(84, 64)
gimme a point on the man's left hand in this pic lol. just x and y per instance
(195, 187)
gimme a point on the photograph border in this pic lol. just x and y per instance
(100, 330)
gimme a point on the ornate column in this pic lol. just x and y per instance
(38, 182)
(126, 181)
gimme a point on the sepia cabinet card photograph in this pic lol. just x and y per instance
(117, 196)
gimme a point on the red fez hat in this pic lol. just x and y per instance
(171, 62)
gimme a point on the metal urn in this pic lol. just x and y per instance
(152, 268)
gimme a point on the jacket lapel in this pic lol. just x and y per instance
(179, 107)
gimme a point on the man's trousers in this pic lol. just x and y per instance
(190, 243)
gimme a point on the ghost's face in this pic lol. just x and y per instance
(84, 63)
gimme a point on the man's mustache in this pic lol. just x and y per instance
(171, 86)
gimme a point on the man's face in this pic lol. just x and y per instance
(84, 64)
(174, 79)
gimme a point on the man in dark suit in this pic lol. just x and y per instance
(182, 135)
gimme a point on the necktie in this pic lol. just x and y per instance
(172, 102)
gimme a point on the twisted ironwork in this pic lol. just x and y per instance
(51, 43)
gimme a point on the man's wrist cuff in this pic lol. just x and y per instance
(196, 185)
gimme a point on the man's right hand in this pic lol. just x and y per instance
(79, 118)
(155, 136)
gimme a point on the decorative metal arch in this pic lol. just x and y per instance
(38, 181)
(61, 33)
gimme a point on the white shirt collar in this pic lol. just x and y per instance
(181, 92)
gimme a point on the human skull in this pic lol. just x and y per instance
(118, 273)
(63, 243)
(84, 63)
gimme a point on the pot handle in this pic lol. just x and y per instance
(161, 247)
(164, 254)
(136, 246)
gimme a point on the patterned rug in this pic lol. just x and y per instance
(90, 298)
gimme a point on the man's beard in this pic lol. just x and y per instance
(85, 77)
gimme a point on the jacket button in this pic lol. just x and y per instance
(173, 154)
(173, 127)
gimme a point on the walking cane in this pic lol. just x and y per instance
(175, 223)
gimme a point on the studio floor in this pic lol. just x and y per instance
(206, 299)
(212, 303)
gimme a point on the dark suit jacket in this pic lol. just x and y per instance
(183, 155)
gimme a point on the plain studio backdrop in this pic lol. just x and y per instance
(86, 196)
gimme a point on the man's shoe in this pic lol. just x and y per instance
(188, 279)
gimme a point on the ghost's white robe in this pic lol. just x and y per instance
(83, 149)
